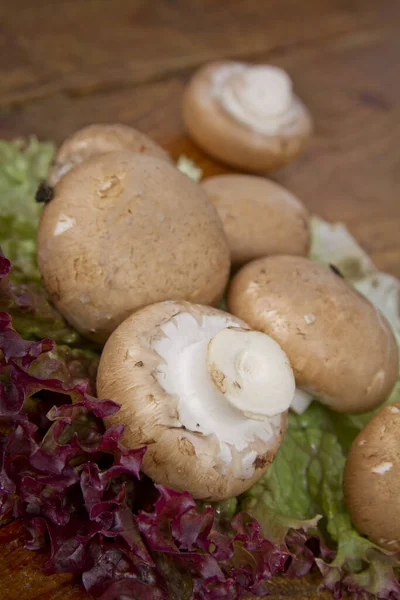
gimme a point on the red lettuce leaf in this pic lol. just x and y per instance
(80, 491)
(81, 494)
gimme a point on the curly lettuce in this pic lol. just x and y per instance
(23, 166)
(298, 503)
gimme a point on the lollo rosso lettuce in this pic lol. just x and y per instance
(80, 493)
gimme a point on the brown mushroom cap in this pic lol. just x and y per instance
(228, 140)
(98, 139)
(122, 231)
(260, 217)
(340, 346)
(176, 456)
(372, 479)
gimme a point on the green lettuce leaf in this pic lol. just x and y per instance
(23, 166)
(289, 494)
(333, 244)
(305, 479)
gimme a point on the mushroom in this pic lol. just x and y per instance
(246, 115)
(340, 346)
(98, 139)
(372, 478)
(125, 230)
(204, 393)
(260, 217)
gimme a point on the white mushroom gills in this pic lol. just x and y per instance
(258, 96)
(185, 346)
(252, 372)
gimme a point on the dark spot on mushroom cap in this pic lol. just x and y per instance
(261, 461)
(336, 271)
(139, 363)
(44, 193)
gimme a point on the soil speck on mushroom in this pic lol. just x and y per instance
(44, 193)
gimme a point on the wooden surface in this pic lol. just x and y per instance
(70, 63)
(21, 577)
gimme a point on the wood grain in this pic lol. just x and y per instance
(349, 173)
(78, 47)
(21, 575)
(67, 64)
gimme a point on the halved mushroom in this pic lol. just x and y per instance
(204, 393)
(246, 115)
(125, 230)
(340, 346)
(98, 139)
(260, 217)
(372, 478)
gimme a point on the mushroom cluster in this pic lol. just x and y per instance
(136, 255)
(205, 394)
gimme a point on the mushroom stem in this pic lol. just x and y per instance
(252, 372)
(259, 96)
(301, 401)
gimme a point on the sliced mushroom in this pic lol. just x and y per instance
(246, 115)
(260, 217)
(126, 230)
(206, 395)
(372, 478)
(340, 346)
(98, 139)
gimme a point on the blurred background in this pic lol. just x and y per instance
(69, 63)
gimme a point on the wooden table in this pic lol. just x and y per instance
(68, 63)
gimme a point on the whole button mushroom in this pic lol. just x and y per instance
(260, 217)
(98, 139)
(340, 346)
(372, 479)
(204, 393)
(246, 115)
(125, 230)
